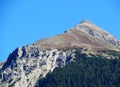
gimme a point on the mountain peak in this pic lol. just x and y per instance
(85, 21)
(86, 25)
(28, 63)
(83, 35)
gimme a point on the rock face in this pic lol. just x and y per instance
(28, 63)
(25, 65)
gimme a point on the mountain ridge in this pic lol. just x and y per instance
(85, 30)
(28, 63)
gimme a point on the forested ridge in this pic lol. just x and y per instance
(85, 71)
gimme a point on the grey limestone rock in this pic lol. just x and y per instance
(26, 64)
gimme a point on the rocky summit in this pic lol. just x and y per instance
(25, 65)
(83, 35)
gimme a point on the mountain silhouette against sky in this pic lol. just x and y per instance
(28, 63)
(85, 34)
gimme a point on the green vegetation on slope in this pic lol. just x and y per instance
(86, 71)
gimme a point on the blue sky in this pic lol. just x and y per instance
(25, 21)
